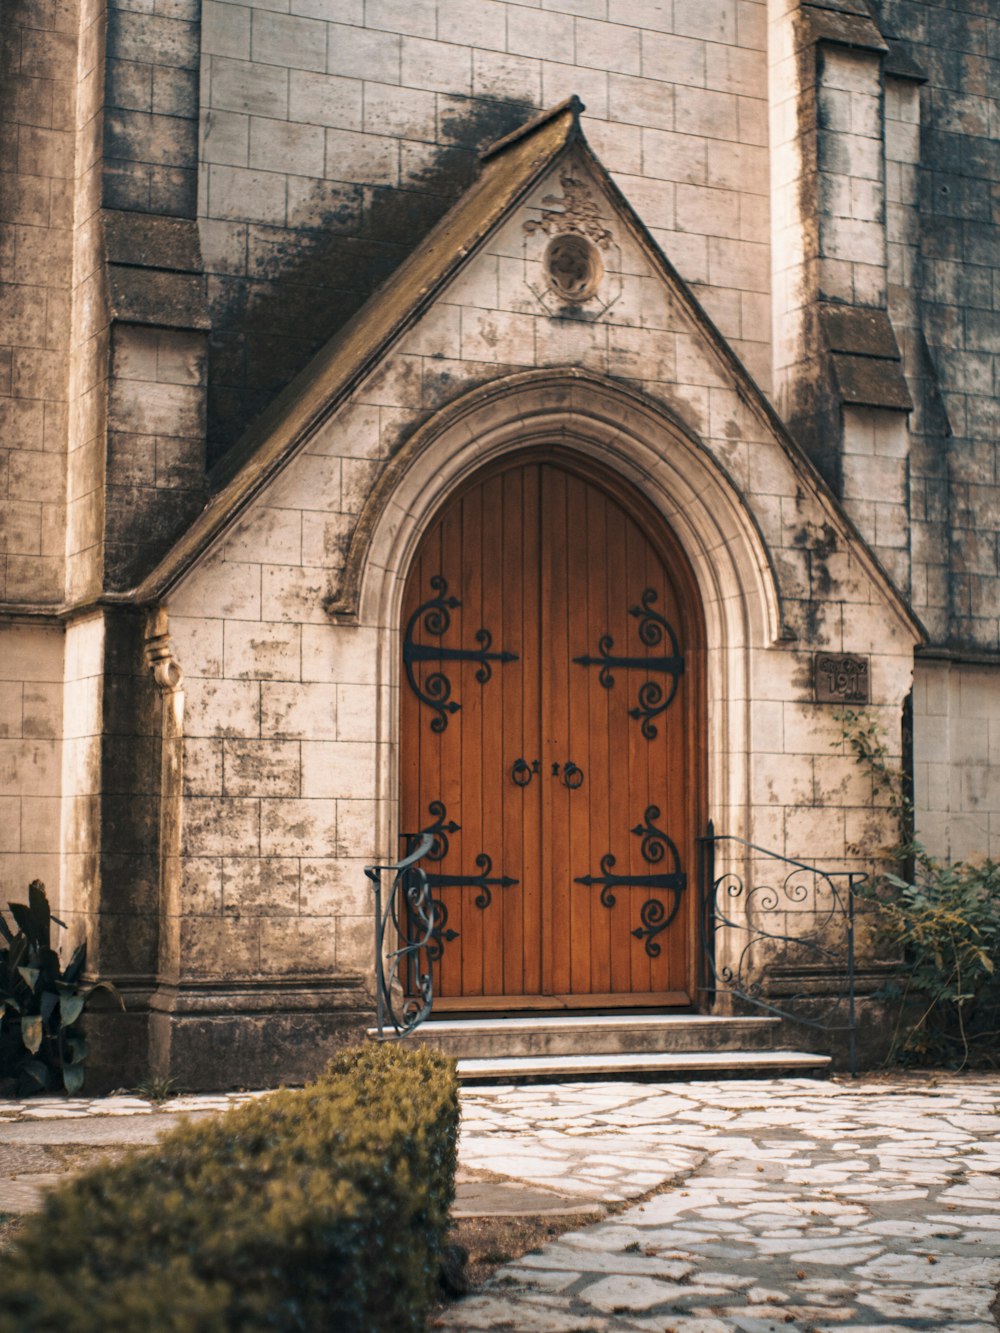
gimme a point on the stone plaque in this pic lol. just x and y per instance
(842, 679)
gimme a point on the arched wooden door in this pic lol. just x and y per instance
(552, 736)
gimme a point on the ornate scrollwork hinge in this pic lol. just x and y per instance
(485, 881)
(653, 699)
(653, 914)
(435, 691)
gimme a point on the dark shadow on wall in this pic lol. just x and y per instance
(303, 282)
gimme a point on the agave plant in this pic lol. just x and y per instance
(41, 1004)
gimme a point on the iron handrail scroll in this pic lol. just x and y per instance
(402, 969)
(765, 956)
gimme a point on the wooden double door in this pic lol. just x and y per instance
(552, 738)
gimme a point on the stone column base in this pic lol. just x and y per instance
(249, 1034)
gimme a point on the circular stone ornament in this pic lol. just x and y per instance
(573, 267)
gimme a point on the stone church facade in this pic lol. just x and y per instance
(344, 343)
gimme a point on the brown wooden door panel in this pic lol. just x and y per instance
(541, 563)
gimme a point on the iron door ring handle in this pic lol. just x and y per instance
(572, 776)
(522, 772)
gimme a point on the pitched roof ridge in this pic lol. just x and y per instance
(571, 103)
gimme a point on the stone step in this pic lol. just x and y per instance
(669, 1065)
(597, 1035)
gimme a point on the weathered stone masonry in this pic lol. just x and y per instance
(195, 199)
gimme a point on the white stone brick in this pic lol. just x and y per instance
(300, 711)
(360, 52)
(356, 712)
(261, 768)
(675, 157)
(673, 59)
(293, 593)
(481, 23)
(262, 650)
(731, 70)
(741, 264)
(353, 432)
(701, 111)
(238, 85)
(221, 708)
(710, 212)
(408, 113)
(260, 887)
(40, 824)
(496, 74)
(225, 30)
(618, 146)
(298, 828)
(343, 653)
(477, 285)
(439, 333)
(498, 336)
(438, 66)
(346, 11)
(358, 478)
(416, 17)
(644, 102)
(324, 99)
(336, 886)
(11, 696)
(218, 589)
(277, 145)
(268, 535)
(252, 196)
(608, 46)
(311, 482)
(325, 539)
(560, 81)
(338, 769)
(288, 41)
(533, 33)
(202, 767)
(10, 824)
(657, 14)
(778, 780)
(215, 825)
(197, 644)
(366, 159)
(713, 20)
(357, 828)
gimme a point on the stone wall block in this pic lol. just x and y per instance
(214, 825)
(260, 887)
(261, 768)
(298, 828)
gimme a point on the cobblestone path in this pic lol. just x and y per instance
(781, 1204)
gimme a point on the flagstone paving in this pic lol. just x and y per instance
(753, 1205)
(779, 1204)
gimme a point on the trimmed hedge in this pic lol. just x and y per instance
(320, 1209)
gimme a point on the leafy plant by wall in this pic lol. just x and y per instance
(942, 918)
(41, 1004)
(322, 1208)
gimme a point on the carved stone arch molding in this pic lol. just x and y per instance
(645, 445)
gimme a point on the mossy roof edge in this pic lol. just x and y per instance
(510, 169)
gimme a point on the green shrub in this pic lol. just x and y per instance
(941, 918)
(41, 1041)
(319, 1209)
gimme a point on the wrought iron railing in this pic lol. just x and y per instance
(404, 985)
(785, 939)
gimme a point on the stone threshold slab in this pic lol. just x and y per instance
(681, 1063)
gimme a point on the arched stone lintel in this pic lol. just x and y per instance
(641, 440)
(645, 446)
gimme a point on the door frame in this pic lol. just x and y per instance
(637, 440)
(665, 544)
